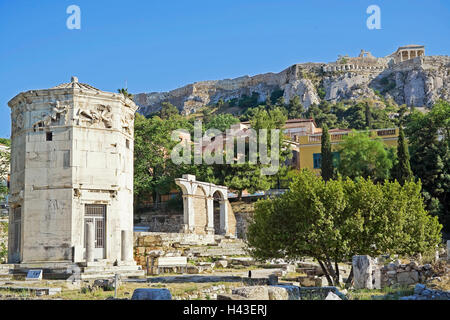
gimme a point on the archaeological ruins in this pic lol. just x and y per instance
(409, 52)
(198, 207)
(71, 178)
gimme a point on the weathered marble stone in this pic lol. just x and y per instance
(419, 288)
(308, 281)
(407, 278)
(222, 263)
(332, 296)
(284, 292)
(151, 294)
(254, 292)
(362, 272)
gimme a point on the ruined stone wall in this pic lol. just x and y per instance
(162, 222)
(167, 220)
(243, 211)
(405, 274)
(159, 244)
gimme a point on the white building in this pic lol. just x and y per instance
(71, 175)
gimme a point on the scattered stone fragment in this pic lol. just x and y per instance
(151, 294)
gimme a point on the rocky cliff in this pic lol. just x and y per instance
(420, 81)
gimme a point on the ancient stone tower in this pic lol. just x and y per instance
(71, 176)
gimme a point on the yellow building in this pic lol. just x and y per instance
(305, 138)
(307, 148)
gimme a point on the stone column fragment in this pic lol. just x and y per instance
(90, 241)
(362, 272)
(127, 245)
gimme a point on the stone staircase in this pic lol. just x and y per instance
(225, 247)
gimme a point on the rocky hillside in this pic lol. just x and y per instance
(416, 82)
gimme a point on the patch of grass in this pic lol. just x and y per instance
(387, 293)
(293, 275)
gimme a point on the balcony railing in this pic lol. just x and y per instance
(385, 132)
(315, 138)
(333, 137)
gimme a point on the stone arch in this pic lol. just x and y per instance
(221, 193)
(198, 206)
(200, 209)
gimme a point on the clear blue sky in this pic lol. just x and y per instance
(162, 45)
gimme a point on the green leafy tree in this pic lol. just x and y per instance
(368, 114)
(207, 114)
(5, 141)
(3, 246)
(246, 101)
(246, 176)
(168, 110)
(280, 102)
(154, 171)
(336, 220)
(355, 115)
(275, 95)
(402, 169)
(363, 156)
(327, 169)
(322, 114)
(429, 138)
(221, 122)
(4, 171)
(295, 107)
(402, 115)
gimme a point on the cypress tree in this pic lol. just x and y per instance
(327, 157)
(402, 170)
(368, 114)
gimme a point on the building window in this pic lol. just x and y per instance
(317, 159)
(127, 143)
(49, 136)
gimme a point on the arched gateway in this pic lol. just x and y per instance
(198, 207)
